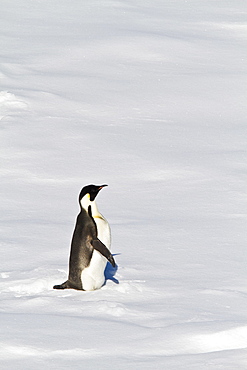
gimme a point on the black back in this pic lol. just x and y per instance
(81, 246)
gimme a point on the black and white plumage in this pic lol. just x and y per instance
(90, 245)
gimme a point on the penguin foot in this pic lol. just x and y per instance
(65, 285)
(69, 285)
(59, 287)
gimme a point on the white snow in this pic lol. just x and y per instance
(148, 97)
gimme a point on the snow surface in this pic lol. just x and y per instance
(148, 96)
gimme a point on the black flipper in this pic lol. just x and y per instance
(100, 247)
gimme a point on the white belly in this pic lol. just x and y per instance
(93, 277)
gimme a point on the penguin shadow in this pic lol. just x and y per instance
(110, 272)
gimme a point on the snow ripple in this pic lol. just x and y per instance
(9, 101)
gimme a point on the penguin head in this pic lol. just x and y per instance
(88, 194)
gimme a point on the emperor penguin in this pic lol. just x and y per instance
(90, 245)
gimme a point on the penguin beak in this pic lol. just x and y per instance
(102, 186)
(95, 192)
